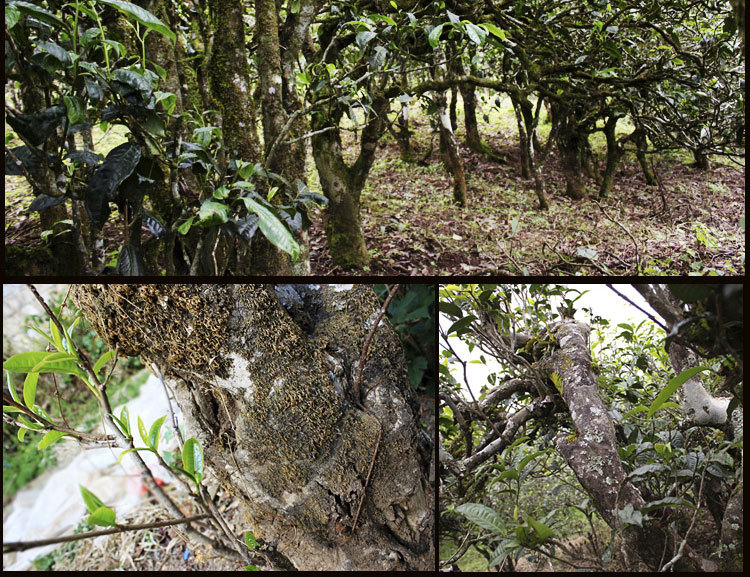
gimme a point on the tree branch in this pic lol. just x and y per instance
(24, 545)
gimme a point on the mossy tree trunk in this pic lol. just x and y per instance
(278, 100)
(468, 95)
(571, 140)
(403, 134)
(739, 14)
(641, 148)
(229, 77)
(342, 184)
(531, 161)
(264, 377)
(449, 151)
(523, 110)
(615, 152)
(162, 52)
(701, 160)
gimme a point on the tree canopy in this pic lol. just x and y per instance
(625, 440)
(218, 103)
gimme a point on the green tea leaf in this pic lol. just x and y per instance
(38, 12)
(29, 390)
(273, 229)
(56, 338)
(74, 109)
(185, 226)
(250, 540)
(103, 360)
(141, 15)
(33, 426)
(49, 438)
(125, 420)
(92, 501)
(494, 30)
(434, 36)
(142, 431)
(542, 531)
(153, 434)
(42, 333)
(192, 458)
(476, 34)
(12, 390)
(461, 324)
(103, 516)
(12, 15)
(483, 516)
(42, 362)
(213, 213)
(672, 386)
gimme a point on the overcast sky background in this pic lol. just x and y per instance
(599, 298)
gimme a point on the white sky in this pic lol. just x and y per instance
(600, 299)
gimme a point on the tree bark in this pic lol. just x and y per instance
(641, 144)
(468, 96)
(592, 452)
(527, 122)
(342, 184)
(615, 152)
(570, 143)
(267, 259)
(264, 377)
(732, 529)
(229, 74)
(701, 160)
(449, 150)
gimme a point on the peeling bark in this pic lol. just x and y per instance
(263, 376)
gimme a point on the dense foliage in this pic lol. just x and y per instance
(196, 190)
(525, 500)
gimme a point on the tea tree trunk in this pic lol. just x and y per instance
(342, 184)
(264, 377)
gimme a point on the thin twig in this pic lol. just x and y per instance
(24, 545)
(645, 312)
(366, 347)
(175, 426)
(127, 443)
(310, 134)
(49, 425)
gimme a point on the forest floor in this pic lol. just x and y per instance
(692, 224)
